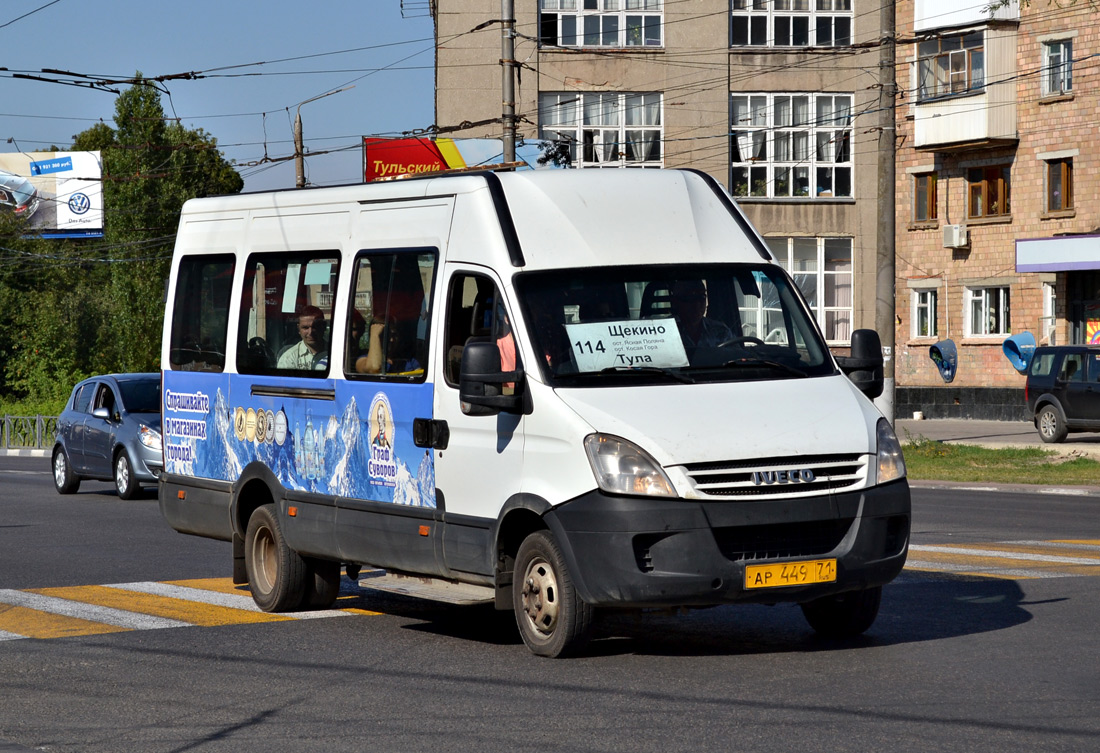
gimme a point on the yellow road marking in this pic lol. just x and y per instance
(35, 624)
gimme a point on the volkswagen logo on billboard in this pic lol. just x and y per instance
(79, 203)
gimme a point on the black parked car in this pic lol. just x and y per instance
(1063, 390)
(110, 430)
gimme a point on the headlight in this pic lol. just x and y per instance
(149, 437)
(891, 463)
(622, 467)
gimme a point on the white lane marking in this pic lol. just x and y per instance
(26, 473)
(915, 565)
(1058, 545)
(216, 598)
(1067, 492)
(92, 612)
(1057, 559)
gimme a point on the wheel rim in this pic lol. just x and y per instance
(59, 469)
(122, 474)
(1048, 423)
(540, 597)
(264, 560)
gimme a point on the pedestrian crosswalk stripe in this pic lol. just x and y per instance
(21, 622)
(1009, 559)
(1007, 554)
(235, 602)
(65, 607)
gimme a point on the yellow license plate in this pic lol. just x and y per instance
(790, 574)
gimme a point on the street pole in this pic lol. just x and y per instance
(508, 88)
(299, 147)
(885, 281)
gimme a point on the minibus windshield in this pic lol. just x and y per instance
(686, 323)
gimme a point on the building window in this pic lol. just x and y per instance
(791, 145)
(1057, 67)
(600, 23)
(987, 311)
(950, 65)
(988, 192)
(791, 23)
(604, 129)
(1059, 185)
(924, 313)
(924, 197)
(822, 269)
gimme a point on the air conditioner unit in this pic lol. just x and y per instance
(955, 236)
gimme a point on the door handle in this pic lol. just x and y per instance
(433, 433)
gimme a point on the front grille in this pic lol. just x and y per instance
(781, 540)
(778, 476)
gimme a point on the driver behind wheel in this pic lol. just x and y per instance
(688, 300)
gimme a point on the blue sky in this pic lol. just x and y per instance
(307, 49)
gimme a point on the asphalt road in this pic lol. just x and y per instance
(967, 653)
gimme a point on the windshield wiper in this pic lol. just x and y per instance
(766, 362)
(648, 370)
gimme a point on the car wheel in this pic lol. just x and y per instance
(844, 615)
(552, 618)
(1051, 424)
(322, 583)
(124, 477)
(276, 573)
(64, 479)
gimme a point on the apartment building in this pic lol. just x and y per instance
(998, 225)
(777, 99)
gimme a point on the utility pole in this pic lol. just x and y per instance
(299, 147)
(885, 281)
(508, 64)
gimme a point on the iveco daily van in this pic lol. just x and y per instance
(557, 390)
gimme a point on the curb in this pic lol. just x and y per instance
(25, 453)
(979, 486)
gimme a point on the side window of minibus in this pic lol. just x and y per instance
(476, 313)
(287, 303)
(389, 317)
(200, 313)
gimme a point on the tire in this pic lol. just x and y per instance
(64, 479)
(125, 483)
(844, 615)
(1051, 424)
(322, 583)
(276, 573)
(551, 617)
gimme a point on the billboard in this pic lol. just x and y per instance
(394, 158)
(59, 194)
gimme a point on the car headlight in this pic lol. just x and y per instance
(891, 463)
(622, 467)
(149, 437)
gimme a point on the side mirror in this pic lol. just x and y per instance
(481, 382)
(865, 366)
(101, 413)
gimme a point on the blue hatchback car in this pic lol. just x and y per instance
(110, 431)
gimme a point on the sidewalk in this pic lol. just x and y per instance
(995, 434)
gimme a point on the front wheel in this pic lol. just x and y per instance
(64, 479)
(124, 477)
(844, 615)
(1051, 425)
(276, 573)
(552, 618)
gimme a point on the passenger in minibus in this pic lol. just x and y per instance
(311, 352)
(688, 299)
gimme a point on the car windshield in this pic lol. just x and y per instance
(688, 323)
(141, 395)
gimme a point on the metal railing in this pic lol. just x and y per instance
(28, 432)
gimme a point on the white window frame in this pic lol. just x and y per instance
(1057, 75)
(829, 262)
(612, 24)
(988, 311)
(605, 129)
(791, 145)
(924, 301)
(791, 23)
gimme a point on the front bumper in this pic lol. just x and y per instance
(631, 551)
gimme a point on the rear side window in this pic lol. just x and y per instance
(286, 313)
(1094, 367)
(1042, 364)
(200, 313)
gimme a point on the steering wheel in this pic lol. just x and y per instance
(740, 340)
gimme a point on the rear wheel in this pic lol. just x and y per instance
(322, 583)
(124, 477)
(1051, 424)
(552, 619)
(844, 615)
(276, 573)
(64, 479)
